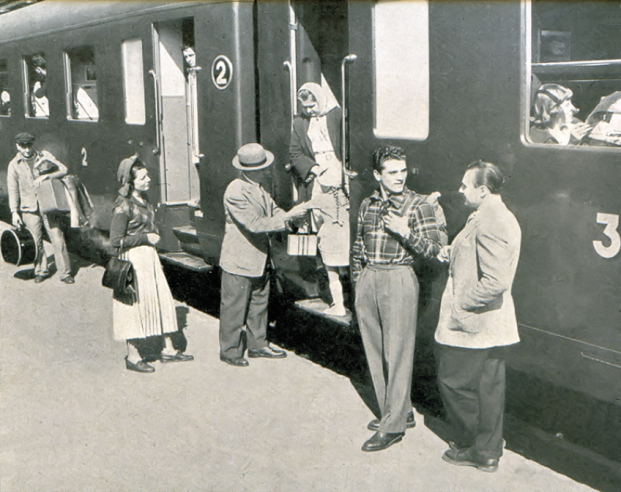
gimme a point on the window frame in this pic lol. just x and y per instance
(526, 73)
(26, 91)
(385, 133)
(69, 89)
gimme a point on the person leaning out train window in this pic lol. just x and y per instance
(134, 233)
(40, 106)
(553, 119)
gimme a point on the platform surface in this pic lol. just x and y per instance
(75, 420)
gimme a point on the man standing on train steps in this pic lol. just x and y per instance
(26, 171)
(395, 225)
(250, 215)
(477, 321)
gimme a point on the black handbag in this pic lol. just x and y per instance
(119, 276)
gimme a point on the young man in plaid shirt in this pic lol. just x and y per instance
(394, 226)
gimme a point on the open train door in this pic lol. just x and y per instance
(175, 81)
(302, 42)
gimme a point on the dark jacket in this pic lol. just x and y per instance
(301, 150)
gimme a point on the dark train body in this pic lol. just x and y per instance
(464, 73)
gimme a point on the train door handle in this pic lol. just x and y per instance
(292, 89)
(347, 172)
(158, 113)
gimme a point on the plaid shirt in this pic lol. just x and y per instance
(375, 245)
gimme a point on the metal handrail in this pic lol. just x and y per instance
(158, 113)
(347, 172)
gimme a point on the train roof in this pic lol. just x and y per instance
(54, 15)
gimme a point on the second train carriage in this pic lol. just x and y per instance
(451, 82)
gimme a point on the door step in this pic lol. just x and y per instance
(186, 234)
(187, 261)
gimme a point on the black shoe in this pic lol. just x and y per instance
(235, 361)
(382, 440)
(268, 352)
(178, 357)
(463, 457)
(40, 278)
(140, 366)
(409, 423)
(68, 280)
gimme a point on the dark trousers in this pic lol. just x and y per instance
(386, 306)
(243, 302)
(472, 385)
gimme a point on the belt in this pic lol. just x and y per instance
(380, 267)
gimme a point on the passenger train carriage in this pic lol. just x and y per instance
(450, 81)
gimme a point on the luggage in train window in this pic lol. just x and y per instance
(52, 196)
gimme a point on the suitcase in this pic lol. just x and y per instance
(52, 196)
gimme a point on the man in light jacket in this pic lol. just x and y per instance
(477, 320)
(251, 214)
(24, 177)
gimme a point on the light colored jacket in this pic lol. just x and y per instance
(250, 214)
(20, 180)
(477, 308)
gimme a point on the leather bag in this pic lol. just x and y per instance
(53, 197)
(119, 276)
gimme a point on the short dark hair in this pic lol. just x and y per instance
(487, 174)
(385, 153)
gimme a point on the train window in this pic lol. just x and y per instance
(37, 102)
(5, 91)
(81, 84)
(401, 52)
(573, 67)
(133, 82)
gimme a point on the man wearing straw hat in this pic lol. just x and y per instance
(251, 214)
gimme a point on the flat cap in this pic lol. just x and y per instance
(24, 139)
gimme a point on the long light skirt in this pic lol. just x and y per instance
(154, 311)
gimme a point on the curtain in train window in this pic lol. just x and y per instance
(573, 71)
(35, 78)
(133, 82)
(5, 90)
(401, 56)
(81, 84)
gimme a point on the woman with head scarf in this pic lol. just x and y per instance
(134, 234)
(553, 117)
(315, 152)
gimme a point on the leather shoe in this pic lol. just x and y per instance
(267, 352)
(409, 423)
(140, 366)
(40, 278)
(382, 440)
(68, 280)
(463, 457)
(178, 357)
(235, 361)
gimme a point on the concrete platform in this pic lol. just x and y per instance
(74, 419)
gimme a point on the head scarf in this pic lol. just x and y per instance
(325, 100)
(124, 174)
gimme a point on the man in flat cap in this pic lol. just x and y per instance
(250, 215)
(27, 170)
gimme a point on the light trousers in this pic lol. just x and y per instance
(387, 306)
(35, 222)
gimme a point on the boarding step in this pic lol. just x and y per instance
(186, 234)
(187, 261)
(318, 307)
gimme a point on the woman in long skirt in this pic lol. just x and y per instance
(134, 233)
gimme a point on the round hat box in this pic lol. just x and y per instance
(18, 246)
